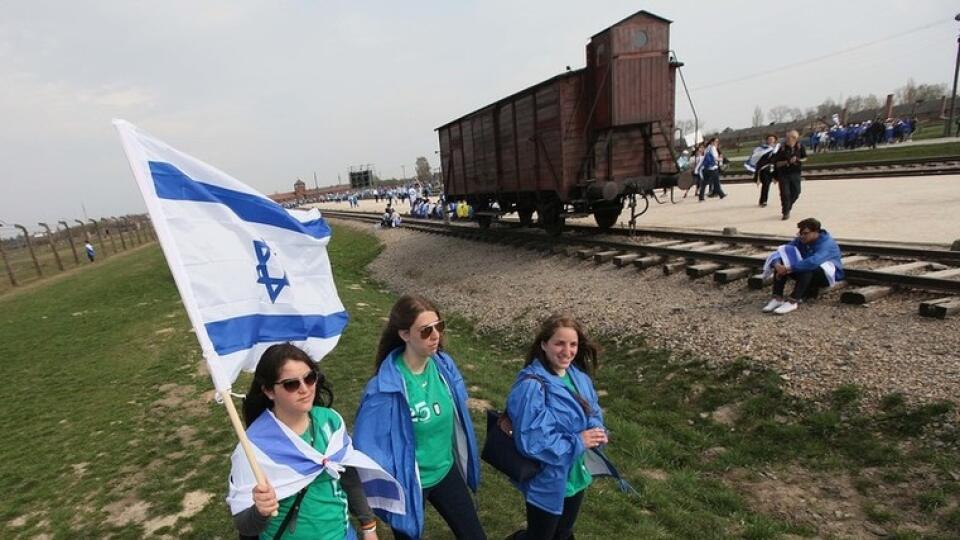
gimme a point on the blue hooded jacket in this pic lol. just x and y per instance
(547, 422)
(383, 430)
(821, 250)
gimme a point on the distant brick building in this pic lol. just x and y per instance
(301, 194)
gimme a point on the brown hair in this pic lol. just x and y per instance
(406, 310)
(587, 352)
(586, 359)
(810, 224)
(271, 362)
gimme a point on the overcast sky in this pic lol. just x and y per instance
(272, 90)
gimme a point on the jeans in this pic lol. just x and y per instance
(451, 498)
(712, 178)
(766, 178)
(789, 190)
(808, 284)
(542, 525)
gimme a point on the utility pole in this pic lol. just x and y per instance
(953, 95)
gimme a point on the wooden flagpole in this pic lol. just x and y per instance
(244, 441)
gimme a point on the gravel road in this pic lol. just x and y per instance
(883, 347)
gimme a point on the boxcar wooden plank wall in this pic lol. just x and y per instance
(539, 139)
(572, 128)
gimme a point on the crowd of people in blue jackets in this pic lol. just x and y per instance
(870, 133)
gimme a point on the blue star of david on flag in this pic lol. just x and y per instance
(274, 285)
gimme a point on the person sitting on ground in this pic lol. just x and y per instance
(812, 260)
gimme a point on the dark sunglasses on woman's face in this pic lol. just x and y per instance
(292, 385)
(427, 331)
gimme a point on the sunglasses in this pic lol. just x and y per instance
(292, 385)
(427, 331)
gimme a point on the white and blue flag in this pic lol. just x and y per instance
(759, 152)
(250, 273)
(788, 255)
(291, 464)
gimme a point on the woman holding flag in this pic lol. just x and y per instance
(289, 399)
(413, 421)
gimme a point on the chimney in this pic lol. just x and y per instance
(888, 108)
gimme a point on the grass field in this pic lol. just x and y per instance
(111, 431)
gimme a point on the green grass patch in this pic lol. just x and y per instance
(110, 425)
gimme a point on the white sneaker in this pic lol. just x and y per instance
(785, 308)
(772, 305)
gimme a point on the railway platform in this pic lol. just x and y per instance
(908, 209)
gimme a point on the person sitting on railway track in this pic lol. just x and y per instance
(391, 218)
(812, 260)
(414, 422)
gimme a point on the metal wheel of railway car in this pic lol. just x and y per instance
(606, 213)
(549, 209)
(526, 216)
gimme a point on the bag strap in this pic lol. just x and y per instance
(292, 514)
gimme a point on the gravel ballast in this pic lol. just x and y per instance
(883, 347)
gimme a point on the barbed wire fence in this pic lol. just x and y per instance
(61, 246)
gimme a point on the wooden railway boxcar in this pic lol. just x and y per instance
(581, 142)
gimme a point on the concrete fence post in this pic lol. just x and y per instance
(123, 243)
(26, 236)
(96, 228)
(113, 243)
(53, 245)
(73, 246)
(6, 264)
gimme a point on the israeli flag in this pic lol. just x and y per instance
(249, 272)
(789, 256)
(291, 464)
(759, 152)
(598, 464)
(786, 255)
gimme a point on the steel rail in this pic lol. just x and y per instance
(853, 275)
(847, 247)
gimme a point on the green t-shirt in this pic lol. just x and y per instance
(579, 477)
(432, 412)
(323, 511)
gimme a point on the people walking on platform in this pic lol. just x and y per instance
(812, 260)
(788, 162)
(711, 169)
(761, 164)
(696, 165)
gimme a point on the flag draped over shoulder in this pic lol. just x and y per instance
(250, 273)
(291, 464)
(757, 154)
(788, 255)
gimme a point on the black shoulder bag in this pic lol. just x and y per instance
(500, 450)
(291, 516)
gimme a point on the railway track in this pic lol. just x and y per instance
(883, 168)
(873, 270)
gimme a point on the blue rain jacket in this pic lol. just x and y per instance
(383, 430)
(547, 422)
(823, 249)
